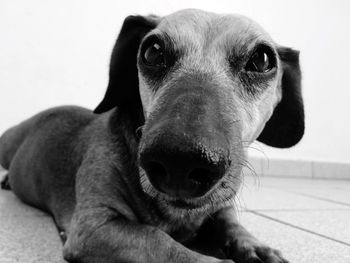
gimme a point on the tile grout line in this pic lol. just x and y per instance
(311, 196)
(323, 199)
(298, 227)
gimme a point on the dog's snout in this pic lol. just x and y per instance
(183, 169)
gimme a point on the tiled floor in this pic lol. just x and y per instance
(308, 220)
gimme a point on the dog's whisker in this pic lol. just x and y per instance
(249, 166)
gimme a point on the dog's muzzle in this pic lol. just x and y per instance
(184, 153)
(180, 168)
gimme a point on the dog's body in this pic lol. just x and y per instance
(200, 87)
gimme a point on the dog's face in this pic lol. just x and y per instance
(207, 85)
(228, 60)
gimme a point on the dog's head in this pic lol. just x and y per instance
(202, 86)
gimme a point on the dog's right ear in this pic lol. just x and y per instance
(123, 90)
(286, 126)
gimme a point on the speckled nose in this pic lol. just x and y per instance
(181, 168)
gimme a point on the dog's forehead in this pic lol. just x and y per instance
(192, 25)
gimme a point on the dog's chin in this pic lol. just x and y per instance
(176, 209)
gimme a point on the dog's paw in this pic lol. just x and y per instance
(254, 252)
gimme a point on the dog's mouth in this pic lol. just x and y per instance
(183, 204)
(220, 195)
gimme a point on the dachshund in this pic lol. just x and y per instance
(151, 174)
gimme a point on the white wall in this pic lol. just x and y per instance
(57, 52)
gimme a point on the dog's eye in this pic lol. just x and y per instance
(261, 61)
(153, 55)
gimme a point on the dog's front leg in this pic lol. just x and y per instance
(117, 240)
(236, 242)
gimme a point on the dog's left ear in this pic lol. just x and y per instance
(285, 128)
(123, 86)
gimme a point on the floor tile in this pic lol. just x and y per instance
(297, 246)
(10, 205)
(29, 239)
(332, 224)
(332, 195)
(336, 191)
(262, 198)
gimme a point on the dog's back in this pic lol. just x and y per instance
(11, 140)
(42, 148)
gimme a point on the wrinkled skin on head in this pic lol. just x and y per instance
(202, 103)
(204, 94)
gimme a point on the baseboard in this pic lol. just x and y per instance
(299, 168)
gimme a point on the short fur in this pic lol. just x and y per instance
(90, 171)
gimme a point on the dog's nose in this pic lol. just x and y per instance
(182, 168)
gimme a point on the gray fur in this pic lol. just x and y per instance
(84, 168)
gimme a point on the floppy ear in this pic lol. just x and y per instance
(285, 128)
(123, 90)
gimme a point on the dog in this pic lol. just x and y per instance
(151, 175)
